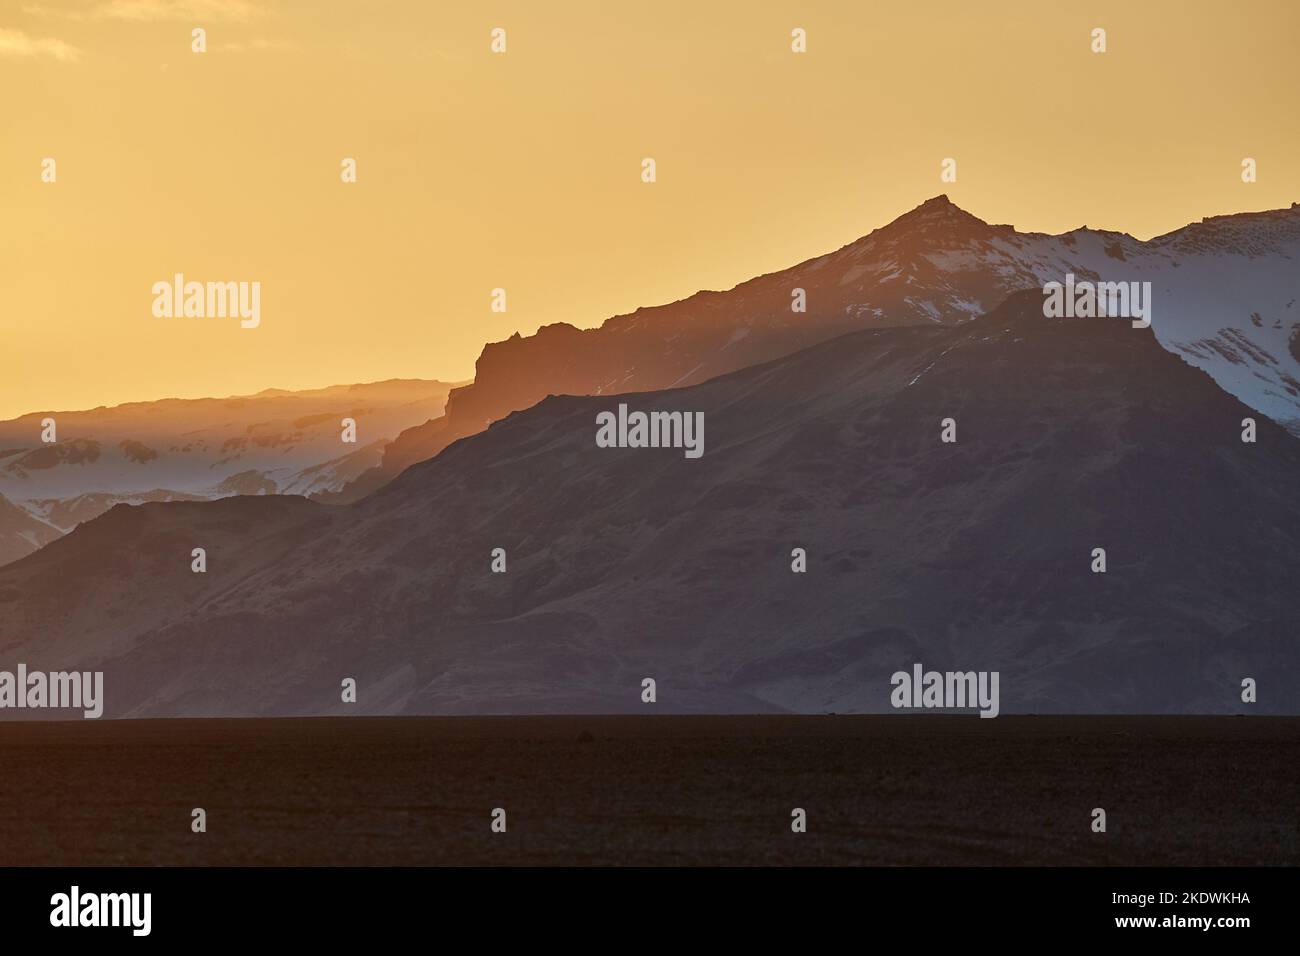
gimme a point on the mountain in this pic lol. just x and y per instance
(22, 532)
(1224, 293)
(626, 563)
(192, 449)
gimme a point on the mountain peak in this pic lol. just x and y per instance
(938, 211)
(939, 206)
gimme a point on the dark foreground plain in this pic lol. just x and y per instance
(909, 790)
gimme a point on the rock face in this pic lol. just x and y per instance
(1225, 296)
(627, 563)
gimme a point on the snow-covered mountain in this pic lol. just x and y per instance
(274, 442)
(1224, 293)
(626, 563)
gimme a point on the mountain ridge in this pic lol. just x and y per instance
(628, 563)
(934, 263)
(179, 449)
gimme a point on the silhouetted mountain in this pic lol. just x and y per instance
(628, 563)
(1224, 291)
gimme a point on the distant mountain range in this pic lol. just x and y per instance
(1225, 296)
(274, 442)
(626, 563)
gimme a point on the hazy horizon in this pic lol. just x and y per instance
(304, 390)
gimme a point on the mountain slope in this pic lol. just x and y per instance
(1225, 293)
(632, 563)
(22, 532)
(187, 449)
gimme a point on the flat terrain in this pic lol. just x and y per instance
(653, 790)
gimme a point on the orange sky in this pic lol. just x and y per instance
(522, 170)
